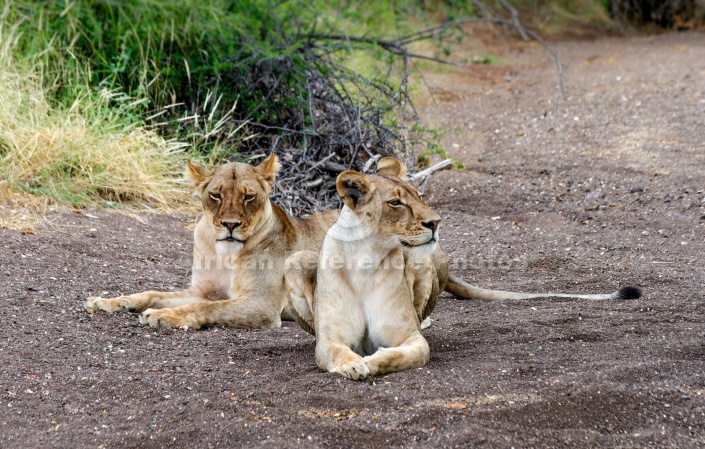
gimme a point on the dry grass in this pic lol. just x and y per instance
(89, 153)
(21, 211)
(67, 145)
(81, 154)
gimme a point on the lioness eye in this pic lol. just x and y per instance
(215, 196)
(249, 197)
(396, 202)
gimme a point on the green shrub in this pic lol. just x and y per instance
(229, 76)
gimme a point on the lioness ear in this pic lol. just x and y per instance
(268, 168)
(353, 187)
(199, 174)
(390, 166)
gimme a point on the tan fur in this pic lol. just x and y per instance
(378, 275)
(236, 282)
(250, 280)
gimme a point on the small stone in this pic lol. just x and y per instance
(592, 200)
(592, 196)
(636, 190)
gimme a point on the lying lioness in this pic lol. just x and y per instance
(378, 276)
(240, 247)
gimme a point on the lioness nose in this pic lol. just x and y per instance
(431, 224)
(230, 225)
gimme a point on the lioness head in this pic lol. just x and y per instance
(387, 205)
(234, 197)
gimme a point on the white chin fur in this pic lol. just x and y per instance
(224, 248)
(424, 250)
(350, 227)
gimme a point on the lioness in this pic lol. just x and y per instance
(378, 276)
(240, 247)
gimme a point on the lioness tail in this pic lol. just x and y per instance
(462, 289)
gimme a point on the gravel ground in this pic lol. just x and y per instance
(588, 193)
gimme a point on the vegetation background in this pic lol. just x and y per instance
(102, 102)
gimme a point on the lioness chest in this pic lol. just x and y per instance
(364, 302)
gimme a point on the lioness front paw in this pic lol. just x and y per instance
(166, 318)
(355, 370)
(108, 305)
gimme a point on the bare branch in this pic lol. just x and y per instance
(430, 170)
(323, 118)
(399, 46)
(515, 19)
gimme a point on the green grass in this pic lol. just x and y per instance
(101, 102)
(85, 153)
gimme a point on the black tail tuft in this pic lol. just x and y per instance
(629, 293)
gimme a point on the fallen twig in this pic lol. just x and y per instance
(427, 172)
(370, 162)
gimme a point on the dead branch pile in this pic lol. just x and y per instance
(322, 118)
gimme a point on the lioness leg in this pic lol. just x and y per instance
(413, 353)
(336, 357)
(300, 283)
(422, 279)
(338, 337)
(239, 312)
(141, 301)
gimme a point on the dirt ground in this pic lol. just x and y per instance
(589, 193)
